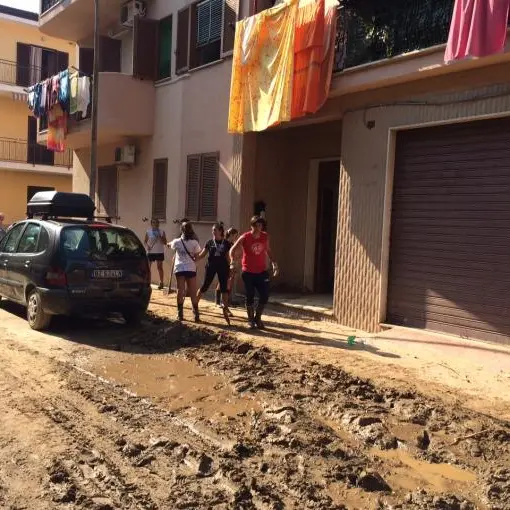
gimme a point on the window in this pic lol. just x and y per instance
(202, 187)
(12, 238)
(165, 48)
(107, 191)
(34, 63)
(262, 5)
(32, 190)
(159, 182)
(29, 239)
(205, 32)
(100, 243)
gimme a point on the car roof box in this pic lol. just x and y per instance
(57, 204)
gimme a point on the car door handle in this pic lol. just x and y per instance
(28, 263)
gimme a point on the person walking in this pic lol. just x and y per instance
(186, 249)
(155, 242)
(256, 250)
(231, 236)
(217, 251)
(3, 229)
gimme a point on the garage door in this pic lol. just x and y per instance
(450, 235)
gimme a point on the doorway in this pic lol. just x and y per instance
(37, 154)
(326, 225)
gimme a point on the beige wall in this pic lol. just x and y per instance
(283, 162)
(13, 118)
(363, 233)
(13, 190)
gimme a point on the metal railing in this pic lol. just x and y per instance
(373, 30)
(13, 73)
(23, 151)
(46, 5)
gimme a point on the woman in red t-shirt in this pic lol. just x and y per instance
(256, 250)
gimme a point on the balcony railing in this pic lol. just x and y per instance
(373, 30)
(46, 5)
(12, 73)
(22, 151)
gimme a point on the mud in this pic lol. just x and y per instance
(172, 416)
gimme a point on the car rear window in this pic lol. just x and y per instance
(100, 243)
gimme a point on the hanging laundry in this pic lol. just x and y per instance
(57, 129)
(478, 29)
(262, 69)
(83, 94)
(63, 91)
(314, 50)
(73, 92)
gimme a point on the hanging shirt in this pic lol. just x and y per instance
(262, 68)
(73, 92)
(183, 249)
(254, 253)
(478, 29)
(57, 129)
(63, 92)
(83, 94)
(314, 52)
(42, 98)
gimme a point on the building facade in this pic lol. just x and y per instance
(26, 167)
(391, 200)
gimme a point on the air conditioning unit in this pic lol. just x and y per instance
(129, 10)
(125, 155)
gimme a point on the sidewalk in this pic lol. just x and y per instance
(474, 374)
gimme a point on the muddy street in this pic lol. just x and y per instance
(99, 416)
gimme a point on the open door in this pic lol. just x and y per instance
(37, 154)
(326, 229)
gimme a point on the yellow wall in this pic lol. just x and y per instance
(13, 118)
(12, 32)
(13, 190)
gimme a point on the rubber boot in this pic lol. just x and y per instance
(258, 316)
(180, 312)
(196, 313)
(251, 317)
(218, 297)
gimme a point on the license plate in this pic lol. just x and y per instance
(107, 273)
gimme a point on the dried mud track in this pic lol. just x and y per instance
(314, 438)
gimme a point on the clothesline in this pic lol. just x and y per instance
(82, 73)
(64, 94)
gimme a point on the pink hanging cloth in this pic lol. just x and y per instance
(478, 29)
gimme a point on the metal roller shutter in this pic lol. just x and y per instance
(450, 235)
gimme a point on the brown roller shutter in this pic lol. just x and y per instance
(193, 188)
(145, 48)
(209, 187)
(230, 14)
(450, 236)
(159, 187)
(182, 50)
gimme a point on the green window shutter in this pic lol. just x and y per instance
(209, 21)
(165, 48)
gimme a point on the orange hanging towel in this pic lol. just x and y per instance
(57, 129)
(314, 51)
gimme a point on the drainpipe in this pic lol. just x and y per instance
(93, 120)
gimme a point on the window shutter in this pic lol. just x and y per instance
(23, 65)
(145, 48)
(159, 188)
(107, 191)
(86, 63)
(193, 188)
(182, 51)
(109, 55)
(230, 15)
(193, 28)
(209, 187)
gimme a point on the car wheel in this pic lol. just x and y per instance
(134, 317)
(37, 318)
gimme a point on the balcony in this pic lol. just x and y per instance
(125, 110)
(380, 45)
(14, 77)
(31, 153)
(73, 20)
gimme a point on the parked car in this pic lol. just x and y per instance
(62, 261)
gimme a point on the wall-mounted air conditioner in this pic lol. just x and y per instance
(129, 10)
(125, 155)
